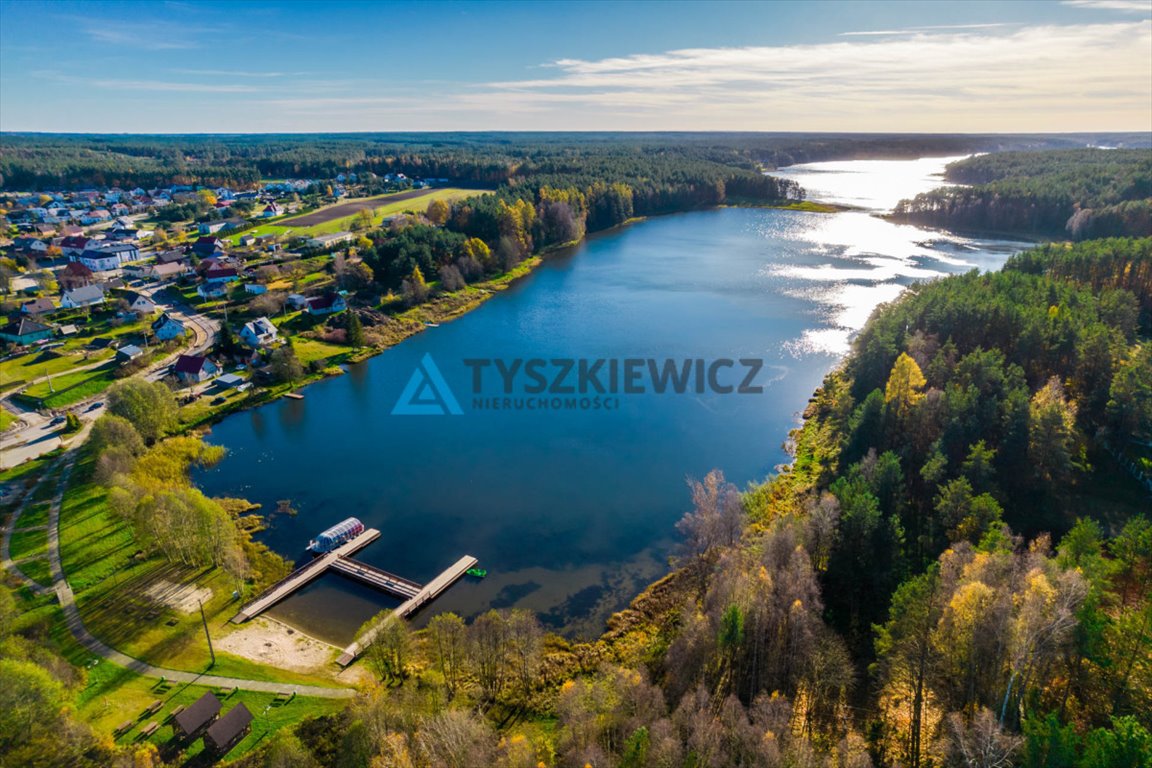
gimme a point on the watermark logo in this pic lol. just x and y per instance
(427, 393)
(575, 384)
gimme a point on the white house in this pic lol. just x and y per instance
(105, 257)
(259, 333)
(85, 296)
(211, 227)
(138, 302)
(192, 369)
(212, 290)
(327, 241)
(168, 271)
(99, 260)
(328, 304)
(166, 328)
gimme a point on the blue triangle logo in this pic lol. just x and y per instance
(427, 393)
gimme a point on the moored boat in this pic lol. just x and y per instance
(338, 534)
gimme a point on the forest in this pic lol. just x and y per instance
(60, 161)
(953, 572)
(1081, 194)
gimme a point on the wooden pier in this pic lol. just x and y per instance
(427, 593)
(414, 595)
(375, 577)
(303, 575)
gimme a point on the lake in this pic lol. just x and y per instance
(573, 511)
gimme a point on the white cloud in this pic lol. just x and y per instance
(1052, 78)
(234, 73)
(917, 30)
(163, 85)
(1128, 6)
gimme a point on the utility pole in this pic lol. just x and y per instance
(210, 650)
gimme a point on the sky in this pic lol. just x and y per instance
(297, 67)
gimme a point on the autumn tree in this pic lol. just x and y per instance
(285, 365)
(905, 387)
(448, 635)
(1054, 445)
(437, 212)
(149, 406)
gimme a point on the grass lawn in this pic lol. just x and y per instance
(111, 579)
(34, 365)
(7, 419)
(29, 543)
(38, 570)
(37, 514)
(309, 350)
(113, 695)
(201, 409)
(28, 471)
(72, 387)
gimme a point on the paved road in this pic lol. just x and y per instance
(76, 625)
(38, 436)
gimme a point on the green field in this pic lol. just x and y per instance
(71, 388)
(7, 419)
(111, 577)
(310, 350)
(29, 543)
(414, 205)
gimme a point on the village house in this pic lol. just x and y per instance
(327, 241)
(74, 245)
(167, 328)
(328, 304)
(171, 257)
(128, 353)
(193, 369)
(259, 333)
(139, 303)
(169, 271)
(212, 290)
(37, 307)
(95, 217)
(25, 331)
(221, 275)
(106, 257)
(85, 296)
(208, 246)
(74, 275)
(271, 210)
(30, 245)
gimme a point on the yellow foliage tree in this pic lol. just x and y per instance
(905, 385)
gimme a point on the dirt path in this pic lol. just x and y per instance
(6, 561)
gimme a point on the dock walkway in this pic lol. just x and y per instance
(376, 577)
(428, 592)
(303, 575)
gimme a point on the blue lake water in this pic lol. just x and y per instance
(573, 512)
